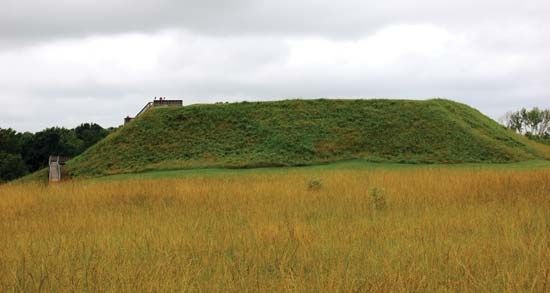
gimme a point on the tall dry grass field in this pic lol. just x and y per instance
(380, 230)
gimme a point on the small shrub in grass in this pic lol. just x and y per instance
(314, 184)
(378, 200)
(139, 199)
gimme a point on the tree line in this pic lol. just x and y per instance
(534, 123)
(23, 153)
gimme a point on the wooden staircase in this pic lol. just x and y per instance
(55, 163)
(155, 103)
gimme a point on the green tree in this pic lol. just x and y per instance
(50, 141)
(532, 120)
(534, 123)
(10, 141)
(89, 134)
(514, 121)
(12, 166)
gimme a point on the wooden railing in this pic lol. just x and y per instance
(158, 103)
(58, 159)
(147, 107)
(155, 103)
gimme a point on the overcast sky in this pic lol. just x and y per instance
(67, 62)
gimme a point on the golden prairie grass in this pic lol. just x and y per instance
(439, 230)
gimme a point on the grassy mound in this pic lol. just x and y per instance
(301, 132)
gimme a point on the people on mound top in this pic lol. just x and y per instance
(160, 99)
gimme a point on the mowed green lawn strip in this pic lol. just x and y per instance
(360, 165)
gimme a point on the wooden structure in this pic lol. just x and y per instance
(54, 167)
(154, 104)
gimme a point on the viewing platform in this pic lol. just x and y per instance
(154, 104)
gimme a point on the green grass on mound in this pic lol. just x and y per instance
(304, 132)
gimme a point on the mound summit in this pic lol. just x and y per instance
(303, 132)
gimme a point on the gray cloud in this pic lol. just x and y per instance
(341, 19)
(102, 60)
